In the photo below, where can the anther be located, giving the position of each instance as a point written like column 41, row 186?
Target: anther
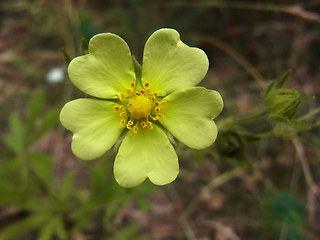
column 122, row 114
column 163, row 103
column 142, row 91
column 129, row 91
column 130, row 122
column 122, row 122
column 122, row 98
column 160, row 116
column 149, row 125
column 155, row 118
column 128, row 126
column 135, row 129
column 116, row 108
column 154, row 95
column 138, row 93
column 157, row 103
column 143, row 124
column 157, row 109
column 146, row 84
column 133, row 84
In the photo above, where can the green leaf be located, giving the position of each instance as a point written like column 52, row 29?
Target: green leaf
column 286, row 208
column 35, row 106
column 67, row 185
column 53, row 227
column 66, row 56
column 42, row 165
column 50, row 120
column 283, row 79
column 21, row 227
column 16, row 138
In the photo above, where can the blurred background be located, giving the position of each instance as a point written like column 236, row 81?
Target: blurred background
column 259, row 181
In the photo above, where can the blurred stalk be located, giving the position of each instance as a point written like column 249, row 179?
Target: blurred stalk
column 294, row 10
column 237, row 57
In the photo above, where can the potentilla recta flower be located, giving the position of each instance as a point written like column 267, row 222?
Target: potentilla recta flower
column 141, row 106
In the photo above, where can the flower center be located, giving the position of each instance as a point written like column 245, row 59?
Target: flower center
column 139, row 107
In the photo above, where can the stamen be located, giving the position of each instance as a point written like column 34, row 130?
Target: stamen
column 116, row 108
column 154, row 95
column 135, row 129
column 129, row 91
column 149, row 125
column 146, row 84
column 138, row 93
column 122, row 114
column 130, row 123
column 128, row 126
column 133, row 84
column 122, row 98
column 122, row 122
column 157, row 109
column 157, row 103
column 143, row 124
column 163, row 103
column 160, row 116
column 142, row 91
column 155, row 118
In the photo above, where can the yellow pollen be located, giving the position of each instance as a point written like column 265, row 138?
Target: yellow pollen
column 129, row 91
column 163, row 103
column 122, row 114
column 139, row 107
column 143, row 124
column 122, row 98
column 157, row 109
column 130, row 123
column 138, row 93
column 149, row 125
column 122, row 122
column 135, row 129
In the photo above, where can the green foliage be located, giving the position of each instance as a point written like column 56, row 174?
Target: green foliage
column 57, row 211
column 285, row 208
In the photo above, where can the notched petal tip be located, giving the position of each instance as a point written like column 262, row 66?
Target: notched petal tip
column 169, row 64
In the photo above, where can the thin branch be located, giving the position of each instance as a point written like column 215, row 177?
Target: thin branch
column 237, row 57
column 182, row 218
column 304, row 163
column 294, row 10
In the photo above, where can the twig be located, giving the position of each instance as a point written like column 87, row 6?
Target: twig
column 304, row 163
column 227, row 231
column 182, row 218
column 294, row 10
column 237, row 57
column 225, row 177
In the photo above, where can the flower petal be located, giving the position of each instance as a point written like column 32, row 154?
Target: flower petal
column 188, row 116
column 107, row 71
column 95, row 125
column 148, row 153
column 169, row 64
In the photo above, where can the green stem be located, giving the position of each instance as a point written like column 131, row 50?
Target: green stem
column 250, row 118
